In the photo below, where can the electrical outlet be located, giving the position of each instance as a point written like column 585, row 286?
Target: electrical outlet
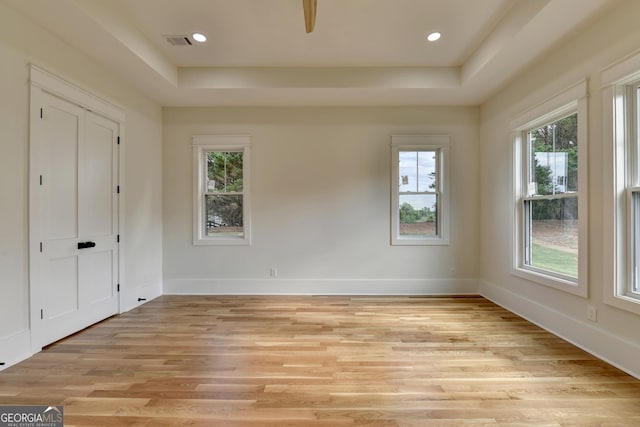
column 273, row 272
column 592, row 313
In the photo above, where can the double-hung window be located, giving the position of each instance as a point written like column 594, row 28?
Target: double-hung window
column 221, row 196
column 632, row 190
column 420, row 196
column 621, row 126
column 550, row 192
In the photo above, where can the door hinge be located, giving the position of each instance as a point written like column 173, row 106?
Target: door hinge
column 41, row 113
column 41, row 314
column 118, row 140
column 40, row 246
column 118, row 189
column 118, row 287
column 118, row 238
column 40, row 179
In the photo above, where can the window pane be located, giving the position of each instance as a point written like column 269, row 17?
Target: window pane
column 426, row 171
column 554, row 157
column 224, row 172
column 408, row 171
column 635, row 241
column 633, row 151
column 418, row 215
column 554, row 235
column 224, row 215
column 417, row 171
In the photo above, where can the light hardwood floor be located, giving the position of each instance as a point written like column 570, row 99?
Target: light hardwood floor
column 322, row 361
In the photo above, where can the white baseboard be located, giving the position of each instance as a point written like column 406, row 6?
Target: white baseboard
column 132, row 298
column 604, row 345
column 320, row 286
column 15, row 348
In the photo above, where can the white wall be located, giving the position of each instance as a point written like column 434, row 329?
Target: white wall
column 615, row 336
column 23, row 43
column 321, row 203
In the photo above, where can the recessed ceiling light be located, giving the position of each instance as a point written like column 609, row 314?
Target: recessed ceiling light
column 434, row 36
column 199, row 37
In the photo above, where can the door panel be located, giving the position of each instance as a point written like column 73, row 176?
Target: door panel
column 62, row 287
column 98, row 177
column 63, row 126
column 96, row 272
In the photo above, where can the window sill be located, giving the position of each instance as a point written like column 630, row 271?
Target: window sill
column 420, row 242
column 624, row 302
column 548, row 280
column 221, row 242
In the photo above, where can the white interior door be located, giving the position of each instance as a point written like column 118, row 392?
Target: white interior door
column 76, row 284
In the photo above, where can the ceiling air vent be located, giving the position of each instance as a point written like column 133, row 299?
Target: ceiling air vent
column 179, row 40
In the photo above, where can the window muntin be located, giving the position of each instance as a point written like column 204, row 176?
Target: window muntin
column 221, row 195
column 419, row 190
column 550, row 202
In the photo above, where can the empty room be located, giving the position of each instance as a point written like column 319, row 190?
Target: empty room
column 320, row 212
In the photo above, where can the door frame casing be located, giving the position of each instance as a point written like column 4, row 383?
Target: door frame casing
column 43, row 81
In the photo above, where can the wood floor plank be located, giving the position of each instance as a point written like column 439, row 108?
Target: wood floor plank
column 322, row 361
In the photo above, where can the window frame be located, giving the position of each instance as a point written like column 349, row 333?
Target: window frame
column 201, row 145
column 621, row 133
column 439, row 144
column 570, row 101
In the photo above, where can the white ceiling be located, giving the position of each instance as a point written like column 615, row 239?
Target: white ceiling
column 362, row 52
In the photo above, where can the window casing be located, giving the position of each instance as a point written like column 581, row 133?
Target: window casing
column 420, row 196
column 221, row 165
column 621, row 127
column 550, row 216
